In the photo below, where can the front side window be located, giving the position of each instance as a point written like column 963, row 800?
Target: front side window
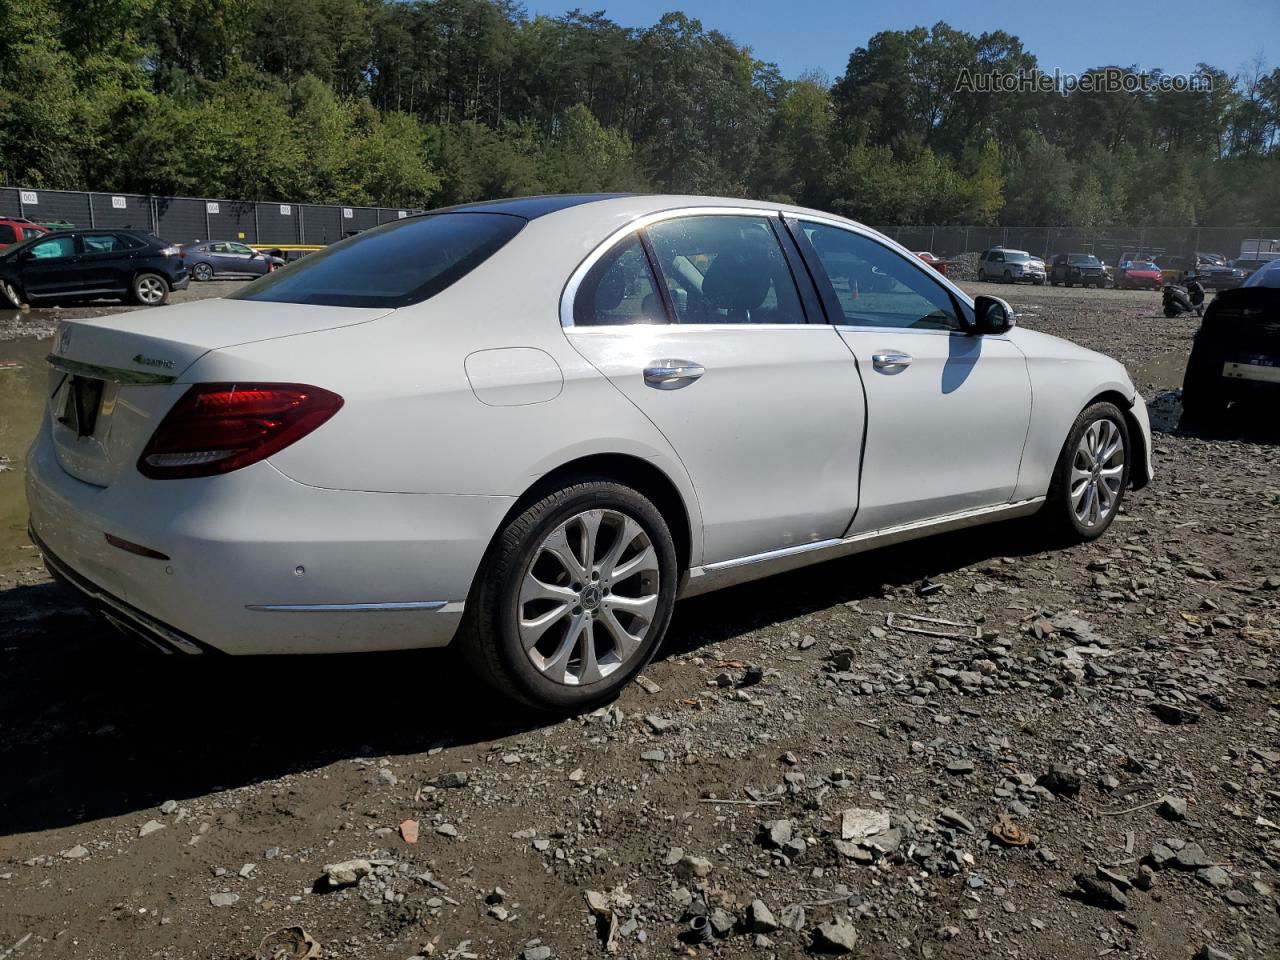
column 725, row 269
column 62, row 246
column 394, row 265
column 8, row 234
column 619, row 289
column 876, row 286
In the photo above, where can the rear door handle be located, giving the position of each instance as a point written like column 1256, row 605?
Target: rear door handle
column 891, row 361
column 672, row 374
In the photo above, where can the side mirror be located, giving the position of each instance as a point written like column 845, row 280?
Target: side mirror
column 993, row 315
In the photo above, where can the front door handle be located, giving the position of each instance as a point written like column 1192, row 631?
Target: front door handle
column 891, row 362
column 672, row 374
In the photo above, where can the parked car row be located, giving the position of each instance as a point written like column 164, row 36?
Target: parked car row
column 1134, row 271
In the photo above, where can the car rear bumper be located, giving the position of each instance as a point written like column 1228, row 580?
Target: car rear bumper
column 256, row 563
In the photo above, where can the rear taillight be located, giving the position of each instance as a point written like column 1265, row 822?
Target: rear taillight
column 219, row 427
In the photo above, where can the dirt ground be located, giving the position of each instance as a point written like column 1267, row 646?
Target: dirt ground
column 1085, row 766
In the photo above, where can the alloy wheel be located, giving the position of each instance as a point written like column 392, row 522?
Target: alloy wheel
column 150, row 290
column 1097, row 471
column 588, row 597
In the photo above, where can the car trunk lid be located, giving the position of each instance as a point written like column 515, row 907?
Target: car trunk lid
column 112, row 379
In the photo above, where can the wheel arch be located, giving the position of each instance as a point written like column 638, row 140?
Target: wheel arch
column 1140, row 473
column 640, row 474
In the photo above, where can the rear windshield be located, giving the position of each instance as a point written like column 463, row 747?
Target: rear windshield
column 393, row 265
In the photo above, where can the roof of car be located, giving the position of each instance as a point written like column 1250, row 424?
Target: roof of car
column 620, row 207
column 530, row 207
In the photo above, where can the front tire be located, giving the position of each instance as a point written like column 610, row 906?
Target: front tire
column 11, row 294
column 573, row 597
column 149, row 289
column 982, row 276
column 1091, row 476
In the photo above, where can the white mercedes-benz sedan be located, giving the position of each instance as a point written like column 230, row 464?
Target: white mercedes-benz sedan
column 529, row 426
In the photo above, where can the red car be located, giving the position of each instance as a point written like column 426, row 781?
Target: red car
column 936, row 262
column 15, row 231
column 1136, row 274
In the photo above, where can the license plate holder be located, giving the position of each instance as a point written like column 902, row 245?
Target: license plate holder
column 84, row 401
column 1265, row 369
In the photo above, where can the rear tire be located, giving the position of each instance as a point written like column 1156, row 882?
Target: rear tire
column 562, row 618
column 1204, row 402
column 149, row 289
column 202, row 272
column 1091, row 475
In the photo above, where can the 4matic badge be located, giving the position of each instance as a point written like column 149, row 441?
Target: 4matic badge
column 153, row 362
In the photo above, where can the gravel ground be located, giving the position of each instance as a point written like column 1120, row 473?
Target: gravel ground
column 1082, row 763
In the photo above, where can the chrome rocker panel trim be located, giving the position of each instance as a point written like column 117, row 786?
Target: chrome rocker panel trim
column 347, row 607
column 727, row 573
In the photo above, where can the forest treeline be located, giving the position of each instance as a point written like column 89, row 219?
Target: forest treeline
column 430, row 102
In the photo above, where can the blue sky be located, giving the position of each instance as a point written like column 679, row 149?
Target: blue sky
column 799, row 35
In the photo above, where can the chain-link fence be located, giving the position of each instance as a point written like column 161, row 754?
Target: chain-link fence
column 188, row 219
column 1107, row 243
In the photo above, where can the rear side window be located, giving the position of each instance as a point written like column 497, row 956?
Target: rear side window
column 619, row 289
column 399, row 263
column 103, row 243
column 725, row 269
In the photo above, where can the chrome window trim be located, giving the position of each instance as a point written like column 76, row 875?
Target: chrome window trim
column 687, row 327
column 570, row 292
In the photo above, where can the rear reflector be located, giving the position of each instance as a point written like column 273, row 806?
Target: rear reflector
column 219, row 427
column 130, row 547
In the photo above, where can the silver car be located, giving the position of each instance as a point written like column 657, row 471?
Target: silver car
column 227, row 258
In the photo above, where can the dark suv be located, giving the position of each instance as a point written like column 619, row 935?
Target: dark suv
column 89, row 264
column 1082, row 268
column 1235, row 356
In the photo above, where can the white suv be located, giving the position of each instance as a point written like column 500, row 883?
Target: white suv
column 529, row 426
column 1010, row 266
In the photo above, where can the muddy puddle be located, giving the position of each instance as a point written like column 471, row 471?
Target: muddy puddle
column 23, row 375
